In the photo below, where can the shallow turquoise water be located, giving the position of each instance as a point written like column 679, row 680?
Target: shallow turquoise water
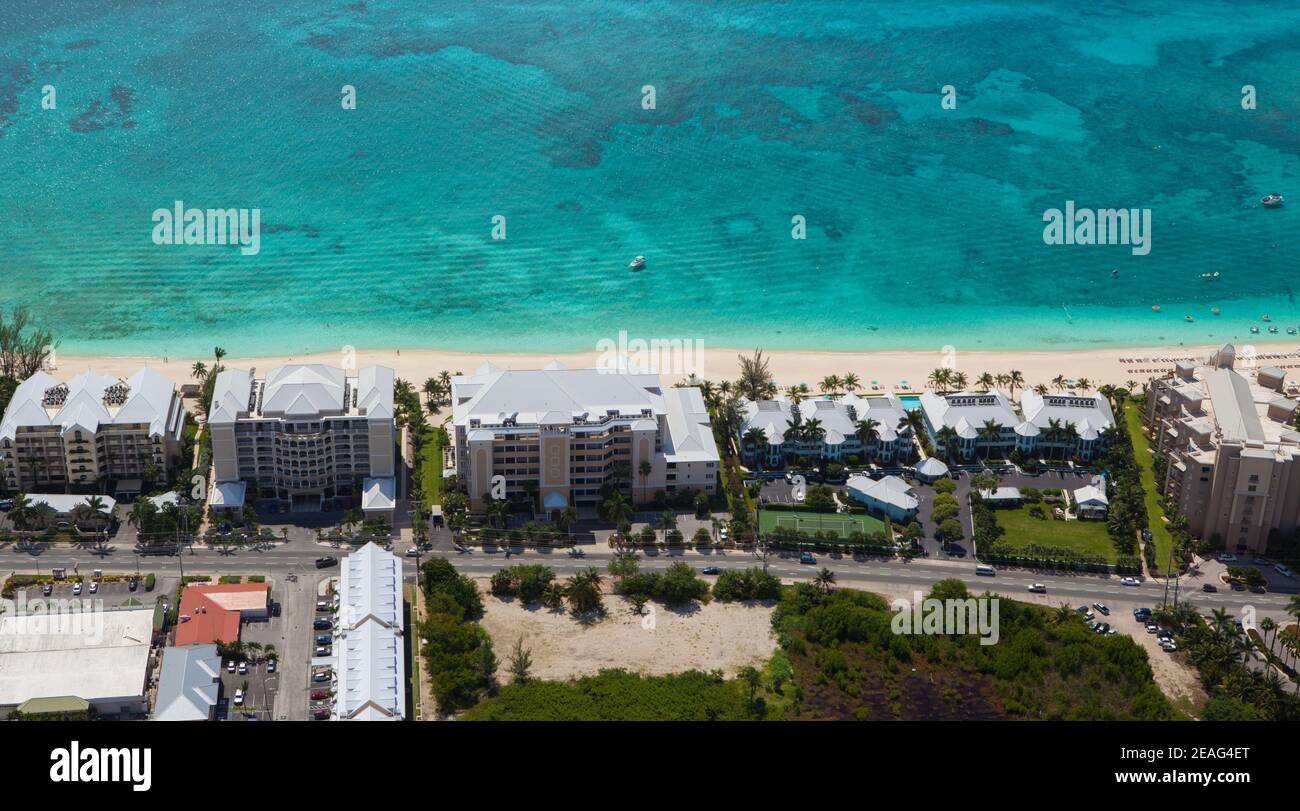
column 924, row 225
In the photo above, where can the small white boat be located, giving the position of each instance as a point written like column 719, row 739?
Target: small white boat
column 1254, row 330
column 1271, row 200
column 637, row 263
column 1272, row 329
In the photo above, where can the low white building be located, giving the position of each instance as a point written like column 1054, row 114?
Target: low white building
column 99, row 655
column 369, row 649
column 189, row 681
column 1001, row 497
column 1091, row 500
column 890, row 496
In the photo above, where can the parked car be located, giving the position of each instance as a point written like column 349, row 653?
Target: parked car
column 321, row 624
column 6, row 504
column 1129, row 581
column 1152, row 628
column 321, row 676
column 94, row 586
column 76, row 587
column 807, row 557
column 47, row 589
column 317, row 695
column 322, row 605
column 243, row 668
column 324, row 639
column 1170, row 646
column 1038, row 588
column 711, row 570
column 320, row 714
column 1102, row 608
column 328, row 560
column 322, row 650
column 239, row 697
column 1225, row 558
column 1282, row 570
column 1210, row 587
column 230, row 666
column 270, row 665
column 132, row 584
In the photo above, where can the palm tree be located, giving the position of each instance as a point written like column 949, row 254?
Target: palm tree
column 92, row 510
column 991, row 432
column 1084, row 384
column 199, row 371
column 851, row 382
column 1040, row 389
column 1053, row 431
column 813, row 432
column 959, row 381
column 754, row 440
column 984, row 381
column 1003, row 379
column 22, row 512
column 867, row 432
column 617, row 508
column 218, row 353
column 1266, row 625
column 1071, row 436
column 830, row 384
column 1059, row 382
column 755, row 376
column 947, row 436
column 1015, row 379
column 939, row 378
column 824, row 580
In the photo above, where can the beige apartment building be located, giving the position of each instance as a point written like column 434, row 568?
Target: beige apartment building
column 1232, row 448
column 303, row 437
column 564, row 433
column 91, row 428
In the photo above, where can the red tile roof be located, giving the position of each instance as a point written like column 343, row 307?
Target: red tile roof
column 208, row 620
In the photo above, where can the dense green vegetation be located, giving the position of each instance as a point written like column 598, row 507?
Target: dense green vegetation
column 1148, row 496
column 616, row 695
column 457, row 650
column 848, row 663
column 746, row 584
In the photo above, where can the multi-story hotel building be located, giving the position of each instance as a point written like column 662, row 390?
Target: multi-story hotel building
column 303, row 436
column 1232, row 448
column 567, row 432
column 91, row 428
column 1072, row 423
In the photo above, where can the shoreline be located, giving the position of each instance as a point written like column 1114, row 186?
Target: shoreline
column 888, row 370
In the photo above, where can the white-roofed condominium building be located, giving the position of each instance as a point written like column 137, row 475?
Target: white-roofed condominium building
column 563, row 434
column 1231, row 451
column 307, row 436
column 844, row 429
column 1054, row 426
column 89, row 430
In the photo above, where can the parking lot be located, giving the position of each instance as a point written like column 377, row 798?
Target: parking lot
column 111, row 593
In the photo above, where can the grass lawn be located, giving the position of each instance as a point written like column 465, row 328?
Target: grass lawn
column 812, row 522
column 1150, row 493
column 431, row 468
column 1085, row 537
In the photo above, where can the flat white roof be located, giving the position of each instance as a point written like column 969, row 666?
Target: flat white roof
column 96, row 655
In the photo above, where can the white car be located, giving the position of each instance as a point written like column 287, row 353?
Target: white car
column 94, row 586
column 1282, row 570
column 1227, row 558
column 243, row 668
column 230, row 666
column 76, row 587
column 1129, row 581
column 1038, row 588
column 239, row 696
column 1169, row 645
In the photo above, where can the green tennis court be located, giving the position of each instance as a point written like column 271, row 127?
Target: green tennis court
column 810, row 523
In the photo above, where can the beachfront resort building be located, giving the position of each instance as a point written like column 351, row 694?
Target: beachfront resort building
column 1231, row 447
column 307, row 437
column 90, row 430
column 1053, row 426
column 868, row 427
column 562, row 434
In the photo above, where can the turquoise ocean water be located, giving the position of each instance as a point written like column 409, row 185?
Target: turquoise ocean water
column 924, row 225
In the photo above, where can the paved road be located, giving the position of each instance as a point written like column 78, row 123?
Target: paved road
column 298, row 558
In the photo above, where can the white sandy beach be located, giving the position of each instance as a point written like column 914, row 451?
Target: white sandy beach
column 897, row 371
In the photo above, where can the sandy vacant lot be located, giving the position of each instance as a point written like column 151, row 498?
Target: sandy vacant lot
column 725, row 636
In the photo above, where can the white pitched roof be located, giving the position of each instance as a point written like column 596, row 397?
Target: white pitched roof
column 370, row 657
column 304, row 389
column 1090, row 412
column 230, row 395
column 65, row 504
column 972, row 407
column 932, row 467
column 769, row 415
column 530, row 396
column 379, row 494
column 188, row 681
column 889, row 490
column 151, row 399
column 1091, row 494
column 690, row 435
